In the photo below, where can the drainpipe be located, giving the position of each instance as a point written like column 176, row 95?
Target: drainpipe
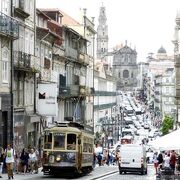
column 11, row 86
column 35, row 82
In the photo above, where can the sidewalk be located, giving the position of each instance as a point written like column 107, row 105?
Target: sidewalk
column 22, row 176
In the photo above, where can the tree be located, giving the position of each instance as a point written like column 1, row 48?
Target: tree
column 167, row 125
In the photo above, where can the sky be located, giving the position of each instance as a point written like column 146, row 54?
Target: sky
column 145, row 24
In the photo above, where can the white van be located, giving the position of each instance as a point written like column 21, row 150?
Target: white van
column 132, row 159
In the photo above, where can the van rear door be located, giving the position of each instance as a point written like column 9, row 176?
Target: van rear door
column 131, row 158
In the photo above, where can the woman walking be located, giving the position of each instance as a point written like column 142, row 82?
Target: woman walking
column 24, row 159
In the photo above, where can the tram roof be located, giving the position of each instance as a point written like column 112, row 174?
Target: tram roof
column 70, row 126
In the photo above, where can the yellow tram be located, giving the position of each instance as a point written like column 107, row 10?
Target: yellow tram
column 68, row 147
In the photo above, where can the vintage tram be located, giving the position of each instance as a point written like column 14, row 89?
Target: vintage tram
column 68, row 148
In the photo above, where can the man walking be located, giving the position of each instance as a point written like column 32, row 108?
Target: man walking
column 10, row 157
column 1, row 160
column 173, row 160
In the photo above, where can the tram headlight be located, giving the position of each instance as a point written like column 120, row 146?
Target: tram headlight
column 51, row 159
column 58, row 158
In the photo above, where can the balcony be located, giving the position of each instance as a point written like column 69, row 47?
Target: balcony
column 22, row 61
column 20, row 10
column 157, row 92
column 83, row 58
column 71, row 53
column 74, row 90
column 82, row 90
column 8, row 26
column 69, row 91
column 157, row 100
column 64, row 92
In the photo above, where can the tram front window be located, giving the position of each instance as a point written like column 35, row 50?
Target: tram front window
column 71, row 141
column 59, row 141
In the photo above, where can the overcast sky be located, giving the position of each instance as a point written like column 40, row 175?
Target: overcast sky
column 145, row 24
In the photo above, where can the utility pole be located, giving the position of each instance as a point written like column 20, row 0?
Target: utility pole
column 122, row 117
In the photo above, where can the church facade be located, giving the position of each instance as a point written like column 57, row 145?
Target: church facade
column 125, row 68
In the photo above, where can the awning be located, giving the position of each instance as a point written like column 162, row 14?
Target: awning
column 167, row 142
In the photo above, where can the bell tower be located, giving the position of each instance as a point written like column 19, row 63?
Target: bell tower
column 102, row 35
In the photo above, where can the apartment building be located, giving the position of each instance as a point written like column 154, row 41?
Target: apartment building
column 9, row 32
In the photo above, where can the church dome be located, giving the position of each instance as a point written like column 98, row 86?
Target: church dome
column 161, row 50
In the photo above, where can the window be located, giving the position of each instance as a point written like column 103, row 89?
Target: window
column 26, row 41
column 5, row 7
column 167, row 80
column 125, row 74
column 21, row 38
column 48, row 141
column 167, row 90
column 132, row 75
column 29, row 92
column 71, row 141
column 59, row 140
column 5, row 66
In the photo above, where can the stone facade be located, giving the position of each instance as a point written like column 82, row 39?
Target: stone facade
column 125, row 68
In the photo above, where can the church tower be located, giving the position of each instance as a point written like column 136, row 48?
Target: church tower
column 102, row 35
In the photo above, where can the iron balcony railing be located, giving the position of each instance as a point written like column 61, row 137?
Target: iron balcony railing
column 9, row 26
column 22, row 60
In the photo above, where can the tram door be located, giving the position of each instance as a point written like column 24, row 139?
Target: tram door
column 79, row 152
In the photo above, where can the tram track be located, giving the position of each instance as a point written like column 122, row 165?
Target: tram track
column 102, row 176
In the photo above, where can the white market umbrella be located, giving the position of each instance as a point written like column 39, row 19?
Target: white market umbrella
column 167, row 142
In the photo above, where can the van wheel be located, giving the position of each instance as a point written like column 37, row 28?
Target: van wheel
column 120, row 172
column 124, row 172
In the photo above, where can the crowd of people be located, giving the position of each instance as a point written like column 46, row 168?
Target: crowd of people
column 106, row 157
column 166, row 160
column 26, row 161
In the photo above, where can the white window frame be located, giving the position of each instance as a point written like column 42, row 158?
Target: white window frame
column 5, row 65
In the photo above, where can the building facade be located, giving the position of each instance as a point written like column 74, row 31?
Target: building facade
column 125, row 68
column 104, row 104
column 9, row 32
column 177, row 67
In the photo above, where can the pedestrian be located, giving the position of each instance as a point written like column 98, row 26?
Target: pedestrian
column 37, row 162
column 160, row 160
column 17, row 162
column 173, row 160
column 24, row 159
column 155, row 161
column 32, row 160
column 99, row 158
column 1, row 160
column 9, row 159
column 167, row 160
column 178, row 163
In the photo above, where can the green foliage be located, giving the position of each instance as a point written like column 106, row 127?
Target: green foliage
column 167, row 125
